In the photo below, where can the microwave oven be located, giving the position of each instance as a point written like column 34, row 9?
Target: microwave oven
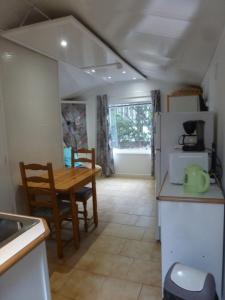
column 179, row 160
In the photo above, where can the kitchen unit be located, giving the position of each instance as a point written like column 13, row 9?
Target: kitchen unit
column 192, row 229
column 23, row 262
column 168, row 128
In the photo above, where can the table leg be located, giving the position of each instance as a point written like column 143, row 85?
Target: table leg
column 75, row 221
column 94, row 197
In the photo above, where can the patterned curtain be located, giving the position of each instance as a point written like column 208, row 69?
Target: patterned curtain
column 156, row 107
column 104, row 150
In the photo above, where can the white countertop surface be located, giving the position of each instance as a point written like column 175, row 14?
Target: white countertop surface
column 14, row 247
column 175, row 192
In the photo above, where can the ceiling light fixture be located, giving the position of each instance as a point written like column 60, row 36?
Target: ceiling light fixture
column 116, row 65
column 7, row 55
column 93, row 71
column 124, row 72
column 134, row 78
column 63, row 43
column 109, row 77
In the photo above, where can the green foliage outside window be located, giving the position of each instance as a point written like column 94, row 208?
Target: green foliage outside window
column 131, row 126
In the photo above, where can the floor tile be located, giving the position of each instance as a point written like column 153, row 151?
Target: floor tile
column 105, row 264
column 149, row 235
column 60, row 297
column 144, row 221
column 146, row 272
column 124, row 219
column 82, row 286
column 120, row 266
column 108, row 244
column 150, row 293
column 93, row 262
column 57, row 280
column 115, row 289
column 156, row 252
column 142, row 210
column 124, row 231
column 137, row 249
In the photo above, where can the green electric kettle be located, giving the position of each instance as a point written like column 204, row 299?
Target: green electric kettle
column 196, row 180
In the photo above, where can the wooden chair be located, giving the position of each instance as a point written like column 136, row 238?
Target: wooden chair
column 85, row 193
column 50, row 208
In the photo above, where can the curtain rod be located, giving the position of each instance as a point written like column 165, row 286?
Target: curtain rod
column 133, row 97
column 73, row 102
column 129, row 104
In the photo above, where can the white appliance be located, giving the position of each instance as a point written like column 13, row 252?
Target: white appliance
column 179, row 160
column 168, row 128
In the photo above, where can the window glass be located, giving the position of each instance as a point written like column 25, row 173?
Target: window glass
column 131, row 126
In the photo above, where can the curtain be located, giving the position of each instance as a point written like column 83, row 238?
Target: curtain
column 104, row 149
column 156, row 107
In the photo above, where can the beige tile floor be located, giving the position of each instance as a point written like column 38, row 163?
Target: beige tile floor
column 118, row 260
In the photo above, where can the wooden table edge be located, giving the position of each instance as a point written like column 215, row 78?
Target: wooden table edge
column 28, row 248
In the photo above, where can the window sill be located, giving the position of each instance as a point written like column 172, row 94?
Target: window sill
column 131, row 152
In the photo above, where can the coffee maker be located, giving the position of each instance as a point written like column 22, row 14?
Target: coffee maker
column 193, row 140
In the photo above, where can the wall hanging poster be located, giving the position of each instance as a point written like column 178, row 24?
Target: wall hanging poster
column 74, row 125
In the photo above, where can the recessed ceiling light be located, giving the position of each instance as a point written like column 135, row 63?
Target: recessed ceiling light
column 109, row 77
column 134, row 78
column 7, row 55
column 63, row 43
column 124, row 72
column 93, row 70
column 88, row 72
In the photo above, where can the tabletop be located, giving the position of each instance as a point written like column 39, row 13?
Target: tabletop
column 67, row 178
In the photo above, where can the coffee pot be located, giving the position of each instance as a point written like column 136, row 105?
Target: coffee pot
column 191, row 141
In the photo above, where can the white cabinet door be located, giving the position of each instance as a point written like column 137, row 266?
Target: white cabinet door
column 184, row 104
column 192, row 234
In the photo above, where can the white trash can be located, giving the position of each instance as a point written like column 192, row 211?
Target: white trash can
column 185, row 283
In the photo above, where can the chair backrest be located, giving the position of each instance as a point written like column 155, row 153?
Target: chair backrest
column 89, row 158
column 38, row 184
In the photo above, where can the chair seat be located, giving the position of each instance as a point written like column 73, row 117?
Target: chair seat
column 45, row 212
column 83, row 193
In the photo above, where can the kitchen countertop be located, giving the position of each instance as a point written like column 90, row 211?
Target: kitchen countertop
column 14, row 250
column 175, row 193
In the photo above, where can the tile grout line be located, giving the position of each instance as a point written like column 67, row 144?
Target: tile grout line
column 140, row 291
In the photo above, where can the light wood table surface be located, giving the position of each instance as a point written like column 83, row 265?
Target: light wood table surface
column 68, row 181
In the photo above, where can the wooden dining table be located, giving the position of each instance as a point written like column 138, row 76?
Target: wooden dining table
column 68, row 181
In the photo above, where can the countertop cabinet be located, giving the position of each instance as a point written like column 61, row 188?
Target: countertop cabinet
column 23, row 260
column 28, row 279
column 192, row 232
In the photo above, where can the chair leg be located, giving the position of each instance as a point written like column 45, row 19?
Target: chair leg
column 94, row 199
column 85, row 216
column 58, row 239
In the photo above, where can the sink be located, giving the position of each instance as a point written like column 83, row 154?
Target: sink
column 13, row 226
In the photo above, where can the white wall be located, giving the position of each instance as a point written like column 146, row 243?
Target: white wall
column 6, row 189
column 214, row 88
column 32, row 108
column 124, row 92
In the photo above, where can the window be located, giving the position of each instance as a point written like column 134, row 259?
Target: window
column 131, row 127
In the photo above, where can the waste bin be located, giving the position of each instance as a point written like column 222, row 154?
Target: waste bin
column 185, row 283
